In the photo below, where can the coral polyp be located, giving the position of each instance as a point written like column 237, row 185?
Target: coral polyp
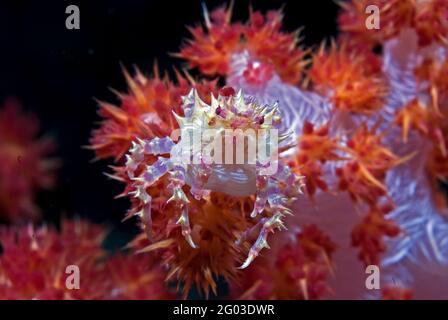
column 349, row 77
column 25, row 163
column 302, row 268
column 213, row 49
column 35, row 260
column 427, row 17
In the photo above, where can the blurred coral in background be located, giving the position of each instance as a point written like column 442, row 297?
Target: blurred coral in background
column 299, row 271
column 34, row 262
column 34, row 259
column 25, row 163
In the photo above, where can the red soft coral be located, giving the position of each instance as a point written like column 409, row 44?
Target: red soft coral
column 369, row 235
column 394, row 15
column 363, row 176
column 34, row 261
column 297, row 270
column 427, row 18
column 216, row 224
column 135, row 277
column 347, row 76
column 25, row 166
column 315, row 148
column 396, row 293
column 211, row 50
column 34, row 264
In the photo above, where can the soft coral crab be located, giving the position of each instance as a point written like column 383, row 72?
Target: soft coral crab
column 190, row 163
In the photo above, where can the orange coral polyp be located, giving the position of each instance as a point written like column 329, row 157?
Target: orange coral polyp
column 211, row 49
column 317, row 145
column 412, row 116
column 363, row 176
column 211, row 55
column 431, row 22
column 268, row 43
column 25, row 165
column 438, row 163
column 428, row 18
column 426, row 121
column 437, row 169
column 363, row 179
column 360, row 184
column 345, row 77
column 367, row 148
column 315, row 149
column 369, row 235
column 432, row 77
column 394, row 15
column 301, row 270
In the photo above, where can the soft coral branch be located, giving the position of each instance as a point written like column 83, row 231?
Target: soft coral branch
column 25, row 165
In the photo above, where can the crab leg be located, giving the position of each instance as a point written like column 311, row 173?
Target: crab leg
column 268, row 225
column 145, row 213
column 151, row 175
column 262, row 196
column 294, row 182
column 276, row 201
column 179, row 197
column 138, row 150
